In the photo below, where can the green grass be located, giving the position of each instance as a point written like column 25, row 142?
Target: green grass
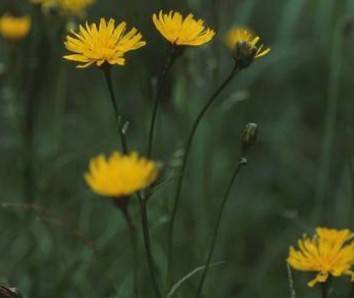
column 79, row 247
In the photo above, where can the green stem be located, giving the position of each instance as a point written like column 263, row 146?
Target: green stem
column 132, row 231
column 216, row 14
column 242, row 162
column 330, row 121
column 324, row 289
column 351, row 177
column 108, row 77
column 134, row 244
column 37, row 73
column 169, row 63
column 147, row 243
column 184, row 164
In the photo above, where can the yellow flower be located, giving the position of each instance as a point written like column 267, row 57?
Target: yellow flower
column 75, row 7
column 120, row 175
column 238, row 35
column 47, row 4
column 69, row 7
column 106, row 44
column 329, row 252
column 14, row 28
column 243, row 43
column 182, row 32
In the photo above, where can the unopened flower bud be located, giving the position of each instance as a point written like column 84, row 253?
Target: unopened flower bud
column 249, row 136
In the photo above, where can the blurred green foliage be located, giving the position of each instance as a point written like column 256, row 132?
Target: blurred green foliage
column 71, row 243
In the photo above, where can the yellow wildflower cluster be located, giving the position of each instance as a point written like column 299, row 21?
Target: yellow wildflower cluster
column 329, row 252
column 14, row 28
column 108, row 43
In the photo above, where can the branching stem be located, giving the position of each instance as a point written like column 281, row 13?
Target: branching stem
column 188, row 146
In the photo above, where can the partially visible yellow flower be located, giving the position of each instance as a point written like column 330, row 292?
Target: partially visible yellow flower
column 120, row 175
column 243, row 43
column 69, row 7
column 75, row 7
column 182, row 32
column 328, row 252
column 106, row 43
column 14, row 28
column 43, row 2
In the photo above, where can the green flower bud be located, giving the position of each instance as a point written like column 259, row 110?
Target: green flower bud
column 249, row 136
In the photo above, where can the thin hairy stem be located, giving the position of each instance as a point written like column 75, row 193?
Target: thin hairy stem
column 189, row 142
column 158, row 96
column 242, row 162
column 108, row 78
column 147, row 243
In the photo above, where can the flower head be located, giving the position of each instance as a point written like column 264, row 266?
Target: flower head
column 328, row 252
column 243, row 43
column 14, row 28
column 68, row 7
column 120, row 175
column 249, row 136
column 101, row 44
column 182, row 32
column 74, row 7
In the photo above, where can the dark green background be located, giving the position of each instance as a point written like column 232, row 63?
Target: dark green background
column 284, row 192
